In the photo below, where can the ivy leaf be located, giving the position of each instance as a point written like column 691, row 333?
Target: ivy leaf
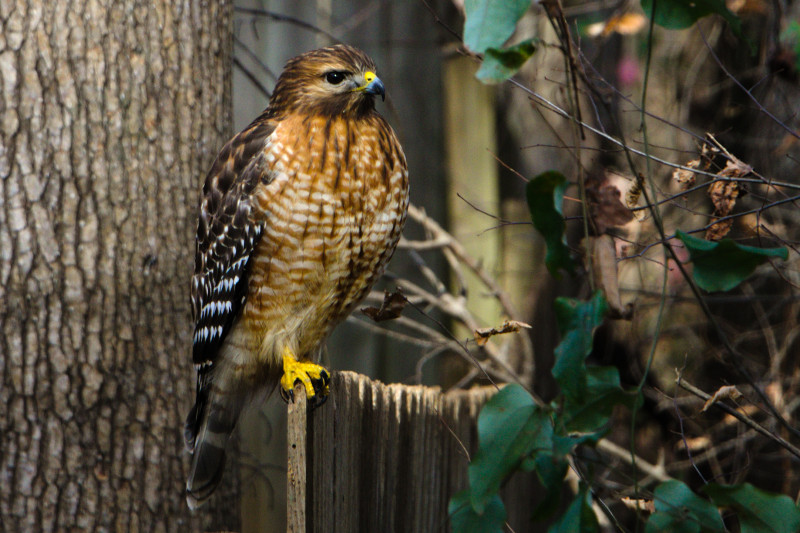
column 577, row 321
column 510, row 427
column 590, row 394
column 563, row 445
column 758, row 510
column 603, row 392
column 551, row 471
column 667, row 523
column 490, row 23
column 680, row 509
column 545, row 194
column 464, row 519
column 502, row 63
column 721, row 266
column 680, row 14
column 579, row 516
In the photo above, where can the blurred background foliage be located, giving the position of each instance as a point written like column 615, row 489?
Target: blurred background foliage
column 688, row 125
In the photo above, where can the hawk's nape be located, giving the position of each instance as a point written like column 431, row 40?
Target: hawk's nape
column 300, row 213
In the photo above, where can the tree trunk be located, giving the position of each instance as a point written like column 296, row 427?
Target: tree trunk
column 110, row 114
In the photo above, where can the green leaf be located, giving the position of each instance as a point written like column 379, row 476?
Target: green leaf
column 577, row 321
column 562, row 445
column 545, row 194
column 721, row 266
column 581, row 317
column 464, row 519
column 579, row 517
column 679, row 509
column 510, row 427
column 489, row 23
column 500, row 64
column 667, row 523
column 551, row 471
column 758, row 510
column 680, row 14
column 603, row 392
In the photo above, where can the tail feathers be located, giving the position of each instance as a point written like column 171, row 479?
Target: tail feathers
column 208, row 447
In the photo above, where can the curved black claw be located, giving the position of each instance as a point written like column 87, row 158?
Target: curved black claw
column 287, row 395
column 321, row 390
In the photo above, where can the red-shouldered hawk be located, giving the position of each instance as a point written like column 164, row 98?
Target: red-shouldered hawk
column 301, row 212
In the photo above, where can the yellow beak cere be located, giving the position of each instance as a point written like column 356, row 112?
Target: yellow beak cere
column 373, row 85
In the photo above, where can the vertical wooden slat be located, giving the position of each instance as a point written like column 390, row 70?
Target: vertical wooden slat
column 385, row 457
column 296, row 452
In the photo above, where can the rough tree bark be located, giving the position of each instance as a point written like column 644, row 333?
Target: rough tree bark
column 110, row 114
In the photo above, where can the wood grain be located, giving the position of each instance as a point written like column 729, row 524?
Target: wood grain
column 296, row 473
column 381, row 457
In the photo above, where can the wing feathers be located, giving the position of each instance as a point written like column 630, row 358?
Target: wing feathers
column 227, row 234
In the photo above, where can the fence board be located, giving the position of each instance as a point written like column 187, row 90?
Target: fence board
column 381, row 457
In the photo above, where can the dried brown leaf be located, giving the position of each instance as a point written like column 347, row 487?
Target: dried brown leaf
column 735, row 168
column 723, row 196
column 391, row 308
column 634, row 193
column 686, row 178
column 719, row 230
column 602, row 252
column 605, row 208
column 728, row 392
column 482, row 335
column 639, row 504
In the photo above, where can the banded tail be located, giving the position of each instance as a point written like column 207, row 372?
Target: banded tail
column 208, row 427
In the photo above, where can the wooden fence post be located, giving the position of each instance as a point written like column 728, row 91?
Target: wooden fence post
column 379, row 457
column 296, row 472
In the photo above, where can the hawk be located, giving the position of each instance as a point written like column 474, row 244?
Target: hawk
column 300, row 213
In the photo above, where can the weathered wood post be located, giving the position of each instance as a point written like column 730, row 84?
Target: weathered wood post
column 296, row 467
column 379, row 457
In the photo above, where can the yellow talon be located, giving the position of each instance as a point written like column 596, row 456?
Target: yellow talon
column 313, row 377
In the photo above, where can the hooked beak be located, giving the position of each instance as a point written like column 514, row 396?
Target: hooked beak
column 373, row 85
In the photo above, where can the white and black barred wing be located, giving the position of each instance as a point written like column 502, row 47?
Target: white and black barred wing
column 227, row 234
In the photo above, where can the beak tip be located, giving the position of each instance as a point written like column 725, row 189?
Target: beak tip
column 376, row 87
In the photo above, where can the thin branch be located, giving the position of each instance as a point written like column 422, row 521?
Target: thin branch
column 564, row 114
column 250, row 76
column 254, row 57
column 285, row 18
column 740, row 416
column 746, row 90
column 438, row 232
column 655, row 471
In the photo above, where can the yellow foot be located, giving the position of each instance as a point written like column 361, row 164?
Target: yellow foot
column 313, row 377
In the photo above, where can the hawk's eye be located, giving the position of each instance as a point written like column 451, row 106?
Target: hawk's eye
column 334, row 78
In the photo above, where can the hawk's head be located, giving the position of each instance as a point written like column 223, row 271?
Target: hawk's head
column 330, row 81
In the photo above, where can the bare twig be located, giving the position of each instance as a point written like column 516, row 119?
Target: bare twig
column 740, row 416
column 655, row 471
column 285, row 18
column 559, row 111
column 749, row 94
column 252, row 77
